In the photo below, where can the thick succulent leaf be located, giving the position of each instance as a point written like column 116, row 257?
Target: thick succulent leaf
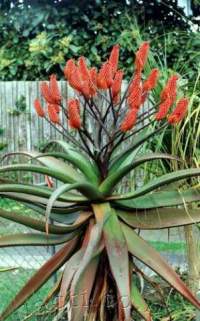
column 40, row 277
column 71, row 267
column 52, row 163
column 90, row 252
column 45, row 192
column 109, row 183
column 84, row 277
column 160, row 199
column 40, row 226
column 138, row 301
column 70, row 218
column 141, row 138
column 98, row 294
column 76, row 155
column 61, row 215
column 116, row 248
column 160, row 181
column 30, row 239
column 145, row 253
column 84, row 166
column 61, row 210
column 128, row 159
column 160, row 218
column 80, row 300
column 62, row 176
column 86, row 188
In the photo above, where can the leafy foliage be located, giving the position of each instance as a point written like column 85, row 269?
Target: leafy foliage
column 38, row 38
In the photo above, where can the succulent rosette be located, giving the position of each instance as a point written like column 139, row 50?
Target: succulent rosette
column 104, row 130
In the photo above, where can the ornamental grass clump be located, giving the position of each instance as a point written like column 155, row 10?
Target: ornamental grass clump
column 95, row 223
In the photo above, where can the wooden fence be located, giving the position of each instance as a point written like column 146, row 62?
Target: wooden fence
column 24, row 130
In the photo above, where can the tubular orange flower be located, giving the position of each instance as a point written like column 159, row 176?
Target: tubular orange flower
column 101, row 81
column 93, row 81
column 134, row 99
column 129, row 120
column 135, row 82
column 83, row 69
column 179, row 112
column 151, row 81
column 74, row 113
column 75, row 79
column 104, row 78
column 54, row 89
column 69, row 68
column 56, row 107
column 38, row 108
column 85, row 89
column 114, row 58
column 163, row 109
column 170, row 89
column 116, row 86
column 141, row 56
column 53, row 115
column 45, row 91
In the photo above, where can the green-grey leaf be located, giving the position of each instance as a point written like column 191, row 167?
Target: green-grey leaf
column 160, row 181
column 109, row 183
column 30, row 239
column 145, row 253
column 160, row 218
column 160, row 199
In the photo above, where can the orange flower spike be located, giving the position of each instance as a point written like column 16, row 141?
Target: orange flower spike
column 56, row 107
column 116, row 86
column 134, row 99
column 170, row 88
column 83, row 69
column 101, row 80
column 74, row 113
column 163, row 109
column 53, row 115
column 135, row 82
column 179, row 112
column 104, row 78
column 38, row 108
column 129, row 120
column 114, row 58
column 45, row 91
column 151, row 81
column 85, row 89
column 108, row 74
column 75, row 80
column 54, row 89
column 69, row 68
column 141, row 56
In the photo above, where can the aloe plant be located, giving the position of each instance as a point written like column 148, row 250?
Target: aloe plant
column 95, row 221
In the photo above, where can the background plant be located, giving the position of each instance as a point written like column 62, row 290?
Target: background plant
column 38, row 38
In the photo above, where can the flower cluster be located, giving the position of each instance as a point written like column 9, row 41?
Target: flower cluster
column 89, row 84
